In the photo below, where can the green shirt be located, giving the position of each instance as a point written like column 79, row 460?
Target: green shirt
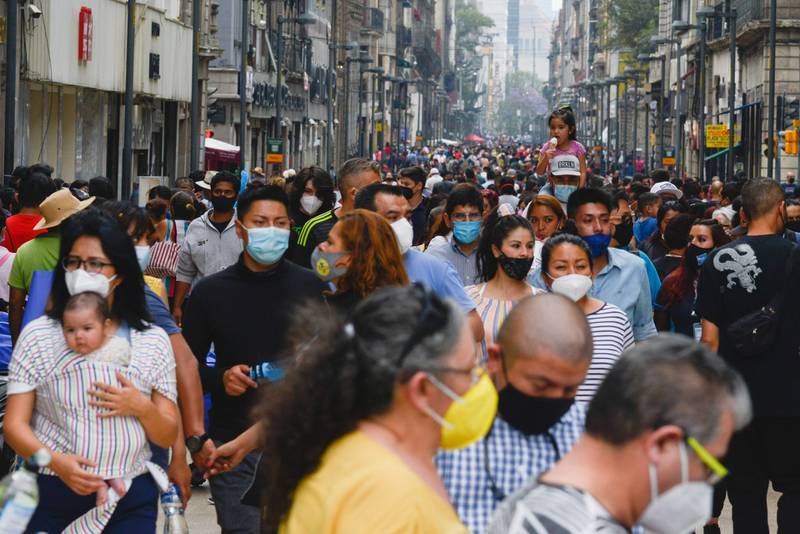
column 39, row 254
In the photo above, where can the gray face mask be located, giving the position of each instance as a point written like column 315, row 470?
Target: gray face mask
column 324, row 264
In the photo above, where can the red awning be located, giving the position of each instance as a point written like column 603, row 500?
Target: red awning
column 472, row 138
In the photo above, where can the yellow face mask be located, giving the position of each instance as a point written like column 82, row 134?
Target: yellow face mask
column 470, row 416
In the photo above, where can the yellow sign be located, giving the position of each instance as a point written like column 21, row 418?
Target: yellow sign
column 653, row 139
column 274, row 158
column 717, row 136
column 668, row 161
column 796, row 123
column 379, row 126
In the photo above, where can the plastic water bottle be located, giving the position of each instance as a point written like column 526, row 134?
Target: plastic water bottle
column 19, row 494
column 174, row 519
column 266, row 372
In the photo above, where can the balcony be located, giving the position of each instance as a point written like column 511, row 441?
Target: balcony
column 757, row 11
column 373, row 21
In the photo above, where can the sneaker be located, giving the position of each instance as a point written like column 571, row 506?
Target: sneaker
column 211, row 501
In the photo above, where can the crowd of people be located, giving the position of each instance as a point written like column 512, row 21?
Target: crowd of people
column 488, row 339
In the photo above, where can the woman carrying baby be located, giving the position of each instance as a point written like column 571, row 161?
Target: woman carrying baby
column 94, row 414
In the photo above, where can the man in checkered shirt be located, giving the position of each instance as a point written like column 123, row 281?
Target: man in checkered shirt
column 540, row 358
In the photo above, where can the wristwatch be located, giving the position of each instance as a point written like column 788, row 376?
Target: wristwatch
column 195, row 443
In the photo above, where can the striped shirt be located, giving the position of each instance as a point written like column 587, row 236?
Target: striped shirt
column 541, row 508
column 611, row 336
column 62, row 418
column 492, row 312
column 480, row 476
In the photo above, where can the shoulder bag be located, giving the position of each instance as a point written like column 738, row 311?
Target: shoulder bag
column 755, row 333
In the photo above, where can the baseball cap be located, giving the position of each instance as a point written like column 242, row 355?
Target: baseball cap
column 666, row 187
column 565, row 164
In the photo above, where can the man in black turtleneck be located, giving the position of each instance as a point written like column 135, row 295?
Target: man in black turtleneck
column 245, row 311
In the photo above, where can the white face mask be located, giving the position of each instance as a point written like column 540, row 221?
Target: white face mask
column 142, row 256
column 310, row 204
column 405, row 234
column 80, row 281
column 572, row 286
column 683, row 508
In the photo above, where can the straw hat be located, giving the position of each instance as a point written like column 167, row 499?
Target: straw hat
column 205, row 183
column 58, row 207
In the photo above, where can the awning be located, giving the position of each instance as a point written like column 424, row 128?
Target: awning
column 472, row 138
column 449, row 142
column 221, row 146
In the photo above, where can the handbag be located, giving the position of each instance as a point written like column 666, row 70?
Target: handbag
column 164, row 257
column 756, row 332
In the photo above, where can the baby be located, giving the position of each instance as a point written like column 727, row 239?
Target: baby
column 88, row 331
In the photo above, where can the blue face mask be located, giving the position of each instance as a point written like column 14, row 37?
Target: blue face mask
column 267, row 245
column 701, row 259
column 466, row 232
column 562, row 192
column 598, row 244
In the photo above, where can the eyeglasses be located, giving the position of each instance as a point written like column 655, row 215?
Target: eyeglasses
column 475, row 372
column 464, row 217
column 72, row 263
column 227, row 193
column 717, row 471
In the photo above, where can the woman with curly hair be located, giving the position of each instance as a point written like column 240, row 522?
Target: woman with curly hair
column 349, row 434
column 360, row 255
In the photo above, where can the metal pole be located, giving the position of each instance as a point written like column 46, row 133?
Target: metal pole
column 360, row 115
column 347, row 107
column 333, row 37
column 608, row 128
column 781, row 100
column 773, row 14
column 127, row 142
column 635, row 120
column 617, row 146
column 330, row 125
column 648, row 160
column 625, row 125
column 12, row 10
column 701, row 133
column 382, row 105
column 662, row 112
column 194, row 156
column 731, row 90
column 279, row 81
column 243, row 89
column 677, row 117
column 372, row 113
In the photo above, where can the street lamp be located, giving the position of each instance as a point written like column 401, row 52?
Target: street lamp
column 656, row 40
column 706, row 12
column 332, row 48
column 304, row 20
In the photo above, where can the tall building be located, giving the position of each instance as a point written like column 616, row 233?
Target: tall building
column 532, row 48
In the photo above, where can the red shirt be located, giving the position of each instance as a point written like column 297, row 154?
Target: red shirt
column 19, row 230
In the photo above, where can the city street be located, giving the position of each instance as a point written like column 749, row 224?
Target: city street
column 202, row 520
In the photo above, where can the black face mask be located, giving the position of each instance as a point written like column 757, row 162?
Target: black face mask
column 793, row 225
column 222, row 204
column 623, row 233
column 516, row 268
column 531, row 415
column 696, row 255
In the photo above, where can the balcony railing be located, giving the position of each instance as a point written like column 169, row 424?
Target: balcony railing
column 758, row 10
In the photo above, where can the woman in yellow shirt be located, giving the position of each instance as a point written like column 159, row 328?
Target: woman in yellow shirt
column 354, row 426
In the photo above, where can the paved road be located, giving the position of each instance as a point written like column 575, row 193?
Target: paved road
column 203, row 520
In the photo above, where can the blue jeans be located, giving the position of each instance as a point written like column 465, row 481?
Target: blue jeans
column 59, row 506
